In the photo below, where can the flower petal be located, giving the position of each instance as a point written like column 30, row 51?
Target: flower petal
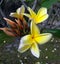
column 43, row 38
column 13, row 14
column 41, row 15
column 11, row 23
column 35, row 50
column 32, row 13
column 41, row 19
column 26, row 40
column 24, row 48
column 34, row 29
column 20, row 10
column 19, row 24
column 9, row 31
column 27, row 15
column 25, row 43
column 42, row 11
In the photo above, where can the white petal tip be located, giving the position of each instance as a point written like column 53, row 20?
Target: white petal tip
column 11, row 14
column 20, row 51
column 50, row 35
column 37, row 56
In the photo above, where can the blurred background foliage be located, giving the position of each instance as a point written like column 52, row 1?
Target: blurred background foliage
column 44, row 3
column 50, row 52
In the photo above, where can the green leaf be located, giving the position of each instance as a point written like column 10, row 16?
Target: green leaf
column 5, row 38
column 48, row 3
column 55, row 32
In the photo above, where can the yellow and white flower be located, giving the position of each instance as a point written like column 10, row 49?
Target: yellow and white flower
column 32, row 40
column 39, row 17
column 18, row 13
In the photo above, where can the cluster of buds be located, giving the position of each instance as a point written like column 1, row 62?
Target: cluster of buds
column 17, row 27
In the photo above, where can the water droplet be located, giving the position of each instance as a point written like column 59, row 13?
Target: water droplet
column 4, row 41
column 56, row 41
column 25, row 57
column 46, row 49
column 53, row 63
column 18, row 55
column 37, row 63
column 55, row 49
column 46, row 63
column 21, row 61
column 52, row 39
column 52, row 50
column 57, row 46
column 46, row 57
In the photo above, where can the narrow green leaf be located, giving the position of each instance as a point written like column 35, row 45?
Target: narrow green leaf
column 48, row 3
column 55, row 32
